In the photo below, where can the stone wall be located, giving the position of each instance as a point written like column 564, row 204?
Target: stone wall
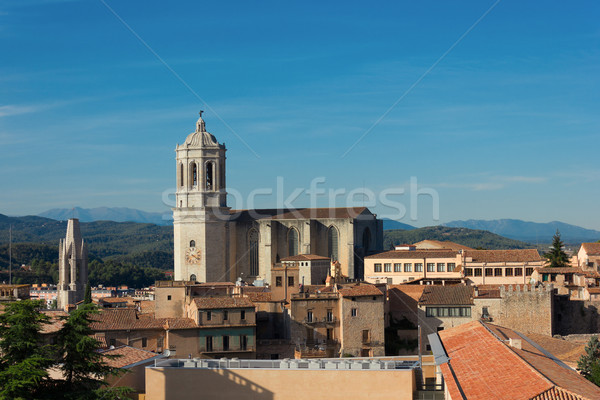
column 523, row 308
column 369, row 317
column 576, row 316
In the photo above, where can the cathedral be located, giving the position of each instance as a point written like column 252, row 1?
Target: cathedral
column 214, row 243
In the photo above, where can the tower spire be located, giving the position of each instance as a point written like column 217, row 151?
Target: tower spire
column 200, row 126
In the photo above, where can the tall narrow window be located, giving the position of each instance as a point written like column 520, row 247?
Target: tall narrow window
column 243, row 342
column 192, row 243
column 209, row 343
column 293, row 242
column 225, row 343
column 193, row 277
column 366, row 240
column 253, row 251
column 180, row 174
column 332, row 243
column 194, row 174
column 210, row 176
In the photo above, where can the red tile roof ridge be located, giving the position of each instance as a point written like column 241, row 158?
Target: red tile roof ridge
column 591, row 248
column 415, row 254
column 582, row 380
column 305, row 257
column 558, row 393
column 477, row 332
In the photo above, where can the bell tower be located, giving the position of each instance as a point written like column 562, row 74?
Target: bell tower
column 201, row 215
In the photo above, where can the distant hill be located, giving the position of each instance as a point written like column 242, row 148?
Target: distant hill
column 149, row 244
column 117, row 214
column 532, row 232
column 464, row 236
column 391, row 224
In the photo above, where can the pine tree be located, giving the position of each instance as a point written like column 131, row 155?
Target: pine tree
column 87, row 299
column 556, row 256
column 23, row 360
column 84, row 369
column 589, row 363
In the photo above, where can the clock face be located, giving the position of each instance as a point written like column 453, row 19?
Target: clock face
column 192, row 255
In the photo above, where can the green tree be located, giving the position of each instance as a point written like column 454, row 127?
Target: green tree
column 589, row 363
column 23, row 361
column 83, row 368
column 87, row 299
column 556, row 256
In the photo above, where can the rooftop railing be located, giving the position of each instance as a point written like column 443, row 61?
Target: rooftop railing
column 294, row 364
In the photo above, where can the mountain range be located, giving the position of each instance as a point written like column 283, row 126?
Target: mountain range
column 532, row 232
column 117, row 214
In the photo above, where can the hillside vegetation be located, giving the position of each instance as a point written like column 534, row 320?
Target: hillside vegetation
column 467, row 237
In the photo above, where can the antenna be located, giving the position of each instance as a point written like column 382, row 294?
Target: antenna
column 10, row 255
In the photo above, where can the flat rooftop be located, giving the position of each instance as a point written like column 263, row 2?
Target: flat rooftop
column 300, row 364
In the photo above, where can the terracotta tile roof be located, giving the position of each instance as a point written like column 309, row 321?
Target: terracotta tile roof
column 215, row 284
column 57, row 320
column 360, row 290
column 591, row 274
column 441, row 244
column 593, row 290
column 591, row 248
column 259, row 296
column 102, row 340
column 205, row 303
column 564, row 350
column 117, row 319
column 317, row 288
column 484, row 366
column 447, row 295
column 415, row 254
column 147, row 306
column 305, row 257
column 524, row 255
column 412, row 291
column 126, row 355
column 113, row 300
column 564, row 378
column 177, row 323
column 560, row 270
column 301, row 213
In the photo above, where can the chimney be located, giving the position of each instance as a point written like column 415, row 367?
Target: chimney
column 515, row 343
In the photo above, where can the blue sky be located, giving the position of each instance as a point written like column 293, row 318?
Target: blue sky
column 505, row 125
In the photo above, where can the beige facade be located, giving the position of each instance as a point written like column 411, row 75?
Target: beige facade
column 213, row 243
column 292, row 272
column 588, row 256
column 500, row 267
column 273, row 382
column 401, row 266
column 478, row 267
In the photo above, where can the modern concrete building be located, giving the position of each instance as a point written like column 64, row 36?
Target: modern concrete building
column 214, row 243
column 334, row 379
column 72, row 266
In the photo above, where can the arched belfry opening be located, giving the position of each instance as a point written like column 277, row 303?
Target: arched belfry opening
column 194, row 174
column 210, row 176
column 293, row 242
column 180, row 173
